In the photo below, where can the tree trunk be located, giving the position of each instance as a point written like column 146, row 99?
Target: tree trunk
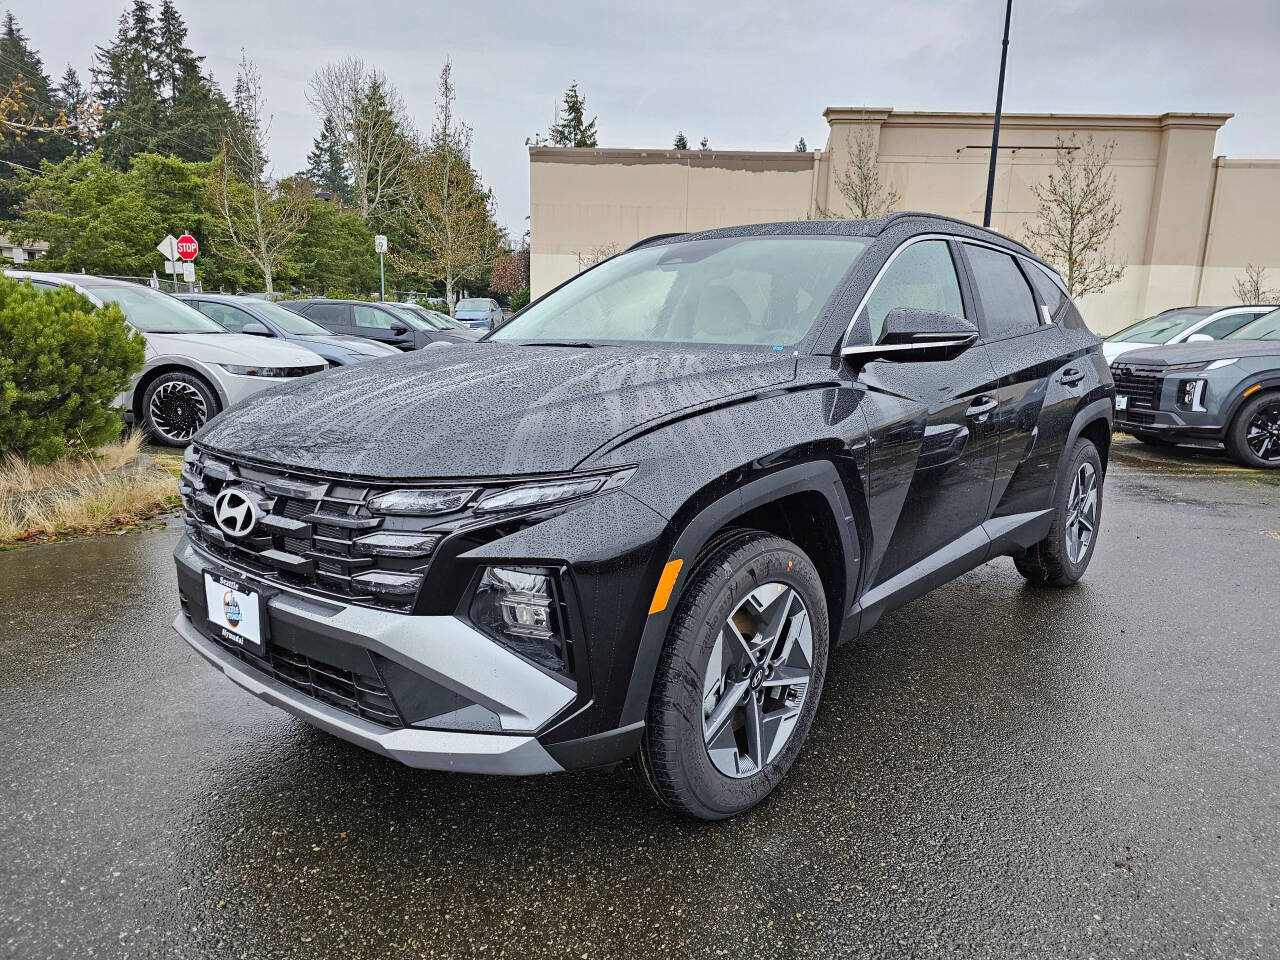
column 448, row 292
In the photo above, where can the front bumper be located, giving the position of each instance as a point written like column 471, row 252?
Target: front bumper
column 465, row 703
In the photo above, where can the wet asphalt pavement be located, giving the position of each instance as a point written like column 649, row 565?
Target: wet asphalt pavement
column 994, row 772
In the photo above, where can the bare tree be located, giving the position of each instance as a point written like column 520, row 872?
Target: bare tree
column 1252, row 287
column 595, row 255
column 1077, row 215
column 374, row 131
column 859, row 182
column 262, row 216
column 447, row 215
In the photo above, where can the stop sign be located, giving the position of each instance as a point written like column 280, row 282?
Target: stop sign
column 187, row 247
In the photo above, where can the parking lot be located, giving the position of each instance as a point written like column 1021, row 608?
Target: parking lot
column 995, row 772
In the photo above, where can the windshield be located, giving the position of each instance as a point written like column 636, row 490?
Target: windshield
column 402, row 312
column 153, row 312
column 290, row 322
column 1161, row 328
column 1266, row 327
column 425, row 315
column 753, row 291
column 474, row 304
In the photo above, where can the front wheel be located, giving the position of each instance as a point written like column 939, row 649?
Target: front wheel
column 1062, row 557
column 175, row 406
column 1253, row 439
column 739, row 678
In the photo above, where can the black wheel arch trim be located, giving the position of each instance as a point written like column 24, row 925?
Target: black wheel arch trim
column 816, row 476
column 1267, row 381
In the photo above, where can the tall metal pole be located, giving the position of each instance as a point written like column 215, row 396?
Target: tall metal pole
column 995, row 130
column 382, row 279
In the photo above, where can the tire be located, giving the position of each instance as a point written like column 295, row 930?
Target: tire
column 771, row 692
column 176, row 405
column 1061, row 558
column 1253, row 439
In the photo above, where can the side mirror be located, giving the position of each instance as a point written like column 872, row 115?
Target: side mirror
column 913, row 334
column 256, row 329
column 1199, row 338
column 399, row 329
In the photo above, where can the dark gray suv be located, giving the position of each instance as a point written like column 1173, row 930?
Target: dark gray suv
column 1222, row 392
column 384, row 322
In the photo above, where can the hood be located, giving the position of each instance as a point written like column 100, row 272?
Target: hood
column 345, row 344
column 482, row 409
column 1203, row 350
column 1112, row 348
column 471, row 315
column 241, row 348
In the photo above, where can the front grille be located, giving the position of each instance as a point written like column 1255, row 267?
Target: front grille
column 307, row 530
column 359, row 694
column 1140, row 384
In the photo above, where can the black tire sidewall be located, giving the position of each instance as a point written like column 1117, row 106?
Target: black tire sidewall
column 1237, row 445
column 720, row 583
column 194, row 380
column 1083, row 452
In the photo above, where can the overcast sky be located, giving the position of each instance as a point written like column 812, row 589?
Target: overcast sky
column 745, row 74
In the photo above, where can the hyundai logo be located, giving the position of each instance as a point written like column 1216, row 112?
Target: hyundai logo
column 235, row 513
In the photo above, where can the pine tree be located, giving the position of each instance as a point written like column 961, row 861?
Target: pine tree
column 572, row 130
column 76, row 102
column 325, row 167
column 682, row 142
column 153, row 92
column 801, row 146
column 704, row 145
column 18, row 62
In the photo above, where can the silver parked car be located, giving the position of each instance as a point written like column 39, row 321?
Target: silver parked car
column 194, row 369
column 478, row 313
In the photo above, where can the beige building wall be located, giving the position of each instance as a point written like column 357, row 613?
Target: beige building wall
column 1189, row 222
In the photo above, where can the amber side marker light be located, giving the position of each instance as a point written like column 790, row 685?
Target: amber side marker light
column 1254, row 389
column 666, row 583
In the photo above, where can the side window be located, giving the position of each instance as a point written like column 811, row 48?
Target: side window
column 233, row 318
column 1227, row 325
column 921, row 276
column 372, row 317
column 326, row 314
column 1051, row 294
column 1006, row 299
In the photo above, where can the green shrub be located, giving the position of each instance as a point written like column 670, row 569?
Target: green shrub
column 518, row 298
column 62, row 363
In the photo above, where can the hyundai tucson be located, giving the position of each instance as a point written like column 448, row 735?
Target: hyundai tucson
column 630, row 525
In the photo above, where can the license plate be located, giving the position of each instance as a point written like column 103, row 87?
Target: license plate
column 235, row 612
column 1122, row 402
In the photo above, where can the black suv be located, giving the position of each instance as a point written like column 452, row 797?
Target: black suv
column 629, row 525
column 384, row 322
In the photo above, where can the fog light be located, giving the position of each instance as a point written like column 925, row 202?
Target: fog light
column 517, row 607
column 1192, row 394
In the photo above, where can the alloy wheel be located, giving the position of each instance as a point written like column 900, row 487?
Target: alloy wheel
column 1082, row 512
column 756, row 680
column 1263, row 433
column 177, row 410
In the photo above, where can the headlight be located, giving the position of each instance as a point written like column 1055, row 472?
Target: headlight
column 237, row 370
column 518, row 607
column 554, row 491
column 1219, row 364
column 420, row 502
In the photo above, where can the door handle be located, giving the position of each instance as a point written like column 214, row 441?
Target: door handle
column 981, row 408
column 1070, row 377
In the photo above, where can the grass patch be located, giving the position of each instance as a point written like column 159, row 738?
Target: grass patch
column 94, row 494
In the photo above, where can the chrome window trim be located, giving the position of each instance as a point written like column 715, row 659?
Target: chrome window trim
column 845, row 349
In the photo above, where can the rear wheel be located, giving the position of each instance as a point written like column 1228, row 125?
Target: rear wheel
column 739, row 678
column 175, row 406
column 1062, row 557
column 1253, row 440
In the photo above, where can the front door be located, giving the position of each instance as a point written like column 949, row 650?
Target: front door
column 934, row 444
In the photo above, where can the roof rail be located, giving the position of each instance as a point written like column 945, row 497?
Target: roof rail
column 897, row 215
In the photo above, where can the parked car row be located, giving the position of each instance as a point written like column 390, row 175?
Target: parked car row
column 1206, row 390
column 206, row 352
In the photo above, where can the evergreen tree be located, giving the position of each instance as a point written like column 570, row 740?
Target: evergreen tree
column 572, row 130
column 682, row 142
column 325, row 167
column 704, row 145
column 153, row 92
column 76, row 102
column 19, row 62
column 801, row 146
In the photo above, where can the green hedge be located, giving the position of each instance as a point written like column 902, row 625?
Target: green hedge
column 518, row 298
column 62, row 363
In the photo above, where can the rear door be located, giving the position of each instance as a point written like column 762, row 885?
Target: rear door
column 1038, row 389
column 334, row 317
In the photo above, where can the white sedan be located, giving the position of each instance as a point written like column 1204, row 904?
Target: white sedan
column 1181, row 325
